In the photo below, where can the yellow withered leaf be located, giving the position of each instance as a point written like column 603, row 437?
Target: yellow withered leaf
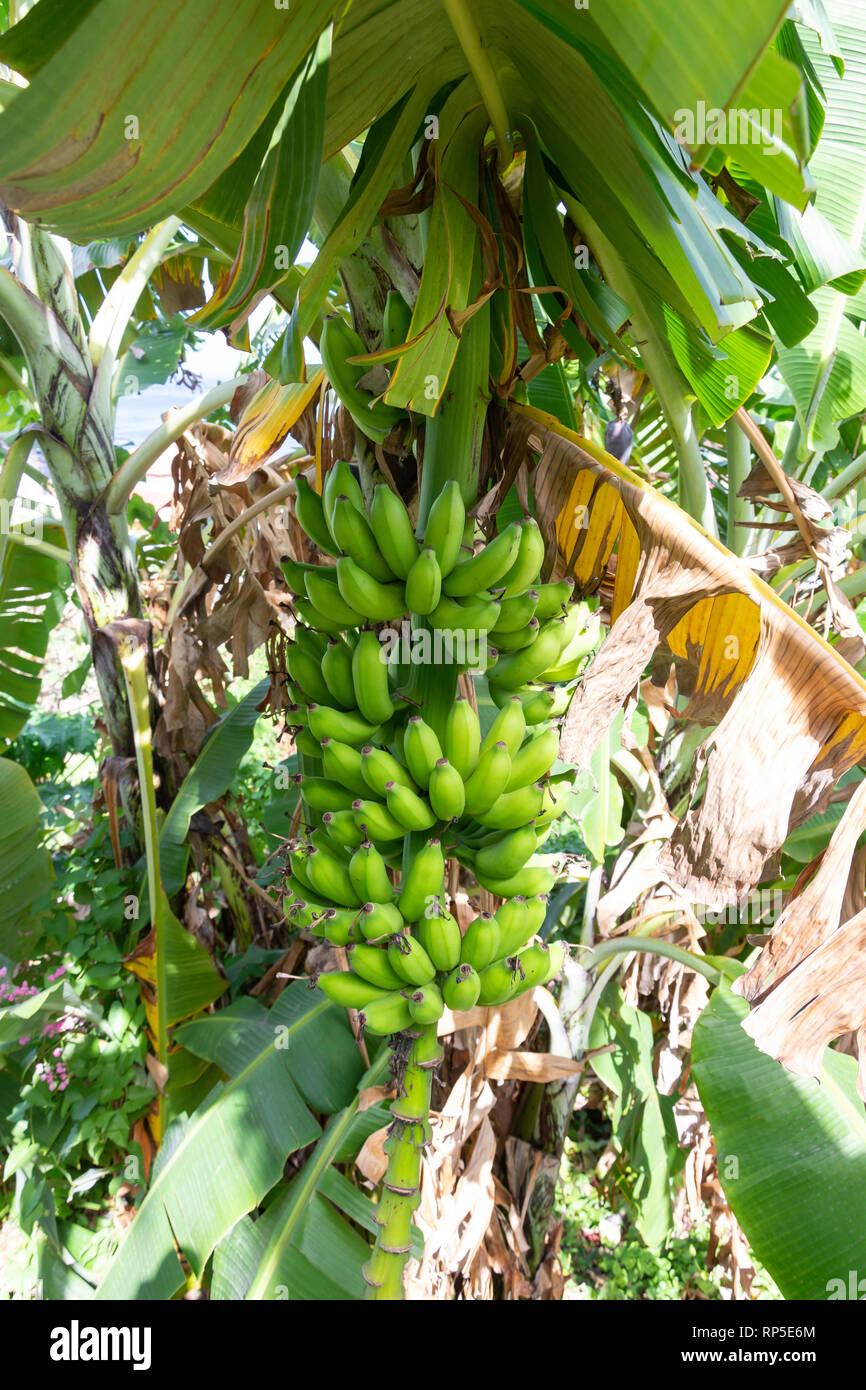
column 791, row 712
column 266, row 423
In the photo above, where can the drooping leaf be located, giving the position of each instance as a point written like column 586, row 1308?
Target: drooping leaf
column 33, row 590
column 791, row 1152
column 219, row 1164
column 137, row 156
column 25, row 866
column 280, row 205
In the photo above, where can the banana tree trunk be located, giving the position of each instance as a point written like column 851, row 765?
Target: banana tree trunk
column 71, row 380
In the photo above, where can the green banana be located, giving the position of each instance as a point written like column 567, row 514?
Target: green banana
column 444, row 531
column 314, row 644
column 379, row 921
column 321, row 794
column 518, row 920
column 306, row 744
column 364, row 594
column 336, row 925
column 355, row 538
column 509, row 727
column 385, row 1016
column 446, row 791
column 539, row 963
column 337, row 673
column 370, row 679
column 408, row 807
column 378, row 767
column 489, row 779
column 572, row 657
column 297, row 857
column 342, row 763
column 475, row 614
column 371, row 963
column 325, row 596
column 508, row 853
column 409, row 959
column 346, row 726
column 426, row 1004
column 396, row 318
column 337, row 342
column 421, row 749
column 331, row 878
column 439, row 934
column 556, row 959
column 393, row 530
column 369, row 875
column 480, row 944
column 423, row 883
column 552, row 598
column 424, row 583
column 540, row 704
column 311, row 516
column 500, row 981
column 515, row 613
column 460, row 991
column 534, row 759
column 320, row 839
column 529, row 881
column 484, row 569
column 340, row 481
column 528, row 560
column 342, row 828
column 295, row 572
column 527, row 665
column 306, row 672
column 516, row 641
column 377, row 822
column 314, row 617
column 462, row 737
column 343, row 987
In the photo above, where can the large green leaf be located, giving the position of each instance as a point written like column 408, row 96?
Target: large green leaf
column 25, row 866
column 32, row 598
column 211, row 774
column 114, row 68
column 792, row 1154
column 218, row 1164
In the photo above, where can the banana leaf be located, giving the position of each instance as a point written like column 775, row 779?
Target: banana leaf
column 791, row 1154
column 218, row 1164
column 25, row 866
column 33, row 590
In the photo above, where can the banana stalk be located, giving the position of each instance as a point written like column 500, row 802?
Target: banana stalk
column 401, row 1189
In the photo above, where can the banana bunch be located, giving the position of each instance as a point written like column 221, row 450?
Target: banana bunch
column 375, row 771
column 405, row 977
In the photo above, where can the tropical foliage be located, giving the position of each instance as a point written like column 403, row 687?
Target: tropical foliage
column 580, row 287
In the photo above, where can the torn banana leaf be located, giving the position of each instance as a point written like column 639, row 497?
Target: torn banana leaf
column 791, row 712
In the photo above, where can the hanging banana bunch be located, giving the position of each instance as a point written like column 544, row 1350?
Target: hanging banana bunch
column 386, row 789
